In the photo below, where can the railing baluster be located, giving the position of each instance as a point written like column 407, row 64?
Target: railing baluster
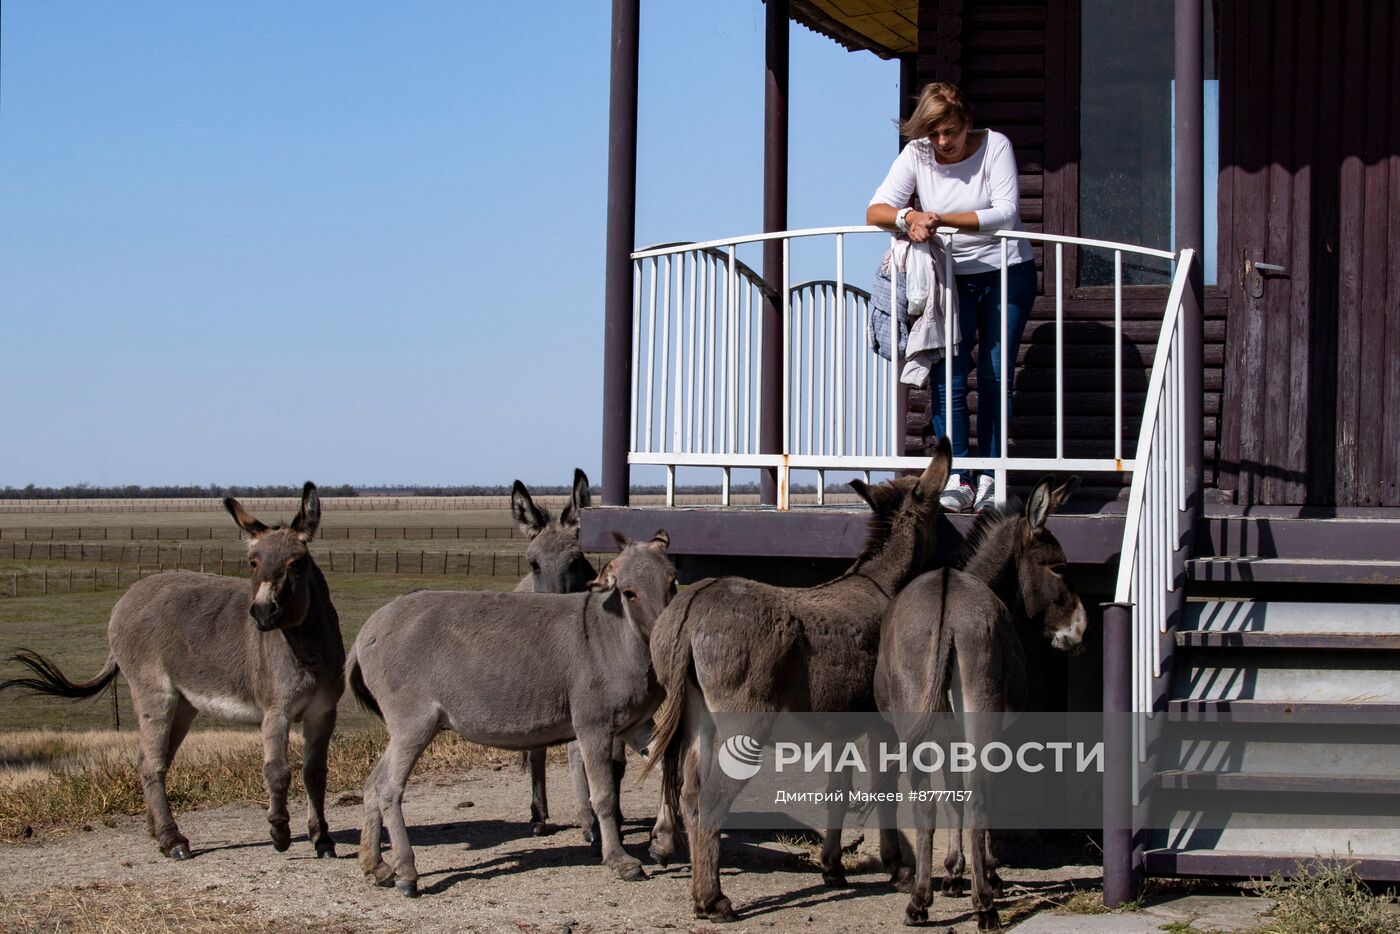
column 636, row 343
column 841, row 344
column 691, row 353
column 651, row 350
column 707, row 434
column 665, row 353
column 1118, row 355
column 677, row 431
column 1059, row 350
column 726, row 393
column 788, row 446
column 1008, row 369
column 949, row 283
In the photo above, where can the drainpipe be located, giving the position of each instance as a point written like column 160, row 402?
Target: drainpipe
column 621, row 235
column 1190, row 232
column 775, row 204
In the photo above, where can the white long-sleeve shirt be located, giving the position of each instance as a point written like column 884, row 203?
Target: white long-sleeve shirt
column 985, row 182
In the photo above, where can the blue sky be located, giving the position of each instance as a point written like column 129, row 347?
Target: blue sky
column 363, row 242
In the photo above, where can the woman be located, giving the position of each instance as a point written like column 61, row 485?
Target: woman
column 966, row 179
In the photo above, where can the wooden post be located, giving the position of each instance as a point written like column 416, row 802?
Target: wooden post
column 620, row 239
column 775, row 203
column 116, row 707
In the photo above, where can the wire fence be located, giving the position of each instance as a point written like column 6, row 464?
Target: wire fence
column 421, row 562
column 230, row 532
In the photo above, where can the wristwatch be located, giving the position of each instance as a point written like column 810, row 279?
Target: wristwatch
column 901, row 220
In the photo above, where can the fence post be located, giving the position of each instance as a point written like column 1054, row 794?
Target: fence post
column 116, row 707
column 46, row 582
column 396, row 561
column 493, row 564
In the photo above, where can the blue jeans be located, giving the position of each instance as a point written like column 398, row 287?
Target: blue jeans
column 979, row 317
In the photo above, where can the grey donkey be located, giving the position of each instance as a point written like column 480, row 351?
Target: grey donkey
column 514, row 671
column 961, row 632
column 731, row 645
column 557, row 565
column 266, row 651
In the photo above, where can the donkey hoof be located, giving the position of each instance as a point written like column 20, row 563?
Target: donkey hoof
column 630, row 871
column 915, row 915
column 381, row 875
column 281, row 837
column 722, row 912
column 408, row 888
column 659, row 855
column 834, row 878
column 903, row 880
column 988, row 920
column 325, row 849
column 180, row 851
column 539, row 828
column 952, row 888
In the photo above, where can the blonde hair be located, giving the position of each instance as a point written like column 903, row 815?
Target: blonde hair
column 939, row 103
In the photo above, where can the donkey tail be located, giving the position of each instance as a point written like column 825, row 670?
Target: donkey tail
column 356, row 680
column 49, row 681
column 937, row 698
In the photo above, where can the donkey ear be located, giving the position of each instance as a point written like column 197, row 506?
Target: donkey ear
column 660, row 541
column 528, row 516
column 1041, row 503
column 580, row 500
column 243, row 517
column 621, row 540
column 308, row 518
column 935, row 475
column 863, row 491
column 606, row 580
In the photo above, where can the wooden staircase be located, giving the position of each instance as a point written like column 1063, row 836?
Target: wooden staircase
column 1282, row 741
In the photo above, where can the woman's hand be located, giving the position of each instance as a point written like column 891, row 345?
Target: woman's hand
column 922, row 224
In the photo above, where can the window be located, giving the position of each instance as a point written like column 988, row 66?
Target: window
column 1126, row 136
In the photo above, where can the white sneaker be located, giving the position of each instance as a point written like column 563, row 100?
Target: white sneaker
column 957, row 495
column 986, row 493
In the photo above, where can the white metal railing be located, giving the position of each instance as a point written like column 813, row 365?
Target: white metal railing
column 697, row 357
column 1152, row 563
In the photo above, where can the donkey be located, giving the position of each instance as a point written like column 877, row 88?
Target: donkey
column 733, row 645
column 268, row 651
column 959, row 630
column 557, row 565
column 514, row 671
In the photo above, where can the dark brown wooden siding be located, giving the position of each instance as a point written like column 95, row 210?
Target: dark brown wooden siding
column 1310, row 167
column 1018, row 61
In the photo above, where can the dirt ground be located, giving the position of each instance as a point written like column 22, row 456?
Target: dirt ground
column 482, row 871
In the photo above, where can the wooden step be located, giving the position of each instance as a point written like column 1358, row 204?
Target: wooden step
column 1250, row 865
column 1253, row 711
column 1321, row 641
column 1290, row 616
column 1293, row 570
column 1278, row 782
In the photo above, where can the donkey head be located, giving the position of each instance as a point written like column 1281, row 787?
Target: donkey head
column 282, row 566
column 904, row 509
column 1040, row 569
column 644, row 578
column 557, row 563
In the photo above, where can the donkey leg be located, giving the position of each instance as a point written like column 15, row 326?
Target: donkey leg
column 277, row 775
column 925, row 820
column 587, row 820
column 619, row 756
column 596, row 751
column 405, row 746
column 954, row 865
column 708, row 901
column 316, row 733
column 717, row 795
column 157, row 712
column 887, row 816
column 833, row 873
column 377, row 872
column 539, row 798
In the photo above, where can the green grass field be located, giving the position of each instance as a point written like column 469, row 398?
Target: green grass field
column 71, row 627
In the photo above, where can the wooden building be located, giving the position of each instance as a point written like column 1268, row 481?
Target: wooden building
column 1263, row 136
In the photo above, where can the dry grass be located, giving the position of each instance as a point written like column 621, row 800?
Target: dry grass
column 90, row 776
column 127, row 908
column 1326, row 896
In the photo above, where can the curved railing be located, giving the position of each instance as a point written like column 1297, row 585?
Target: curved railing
column 1156, row 534
column 697, row 361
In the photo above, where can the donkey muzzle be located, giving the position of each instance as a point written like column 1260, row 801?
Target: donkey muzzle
column 266, row 615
